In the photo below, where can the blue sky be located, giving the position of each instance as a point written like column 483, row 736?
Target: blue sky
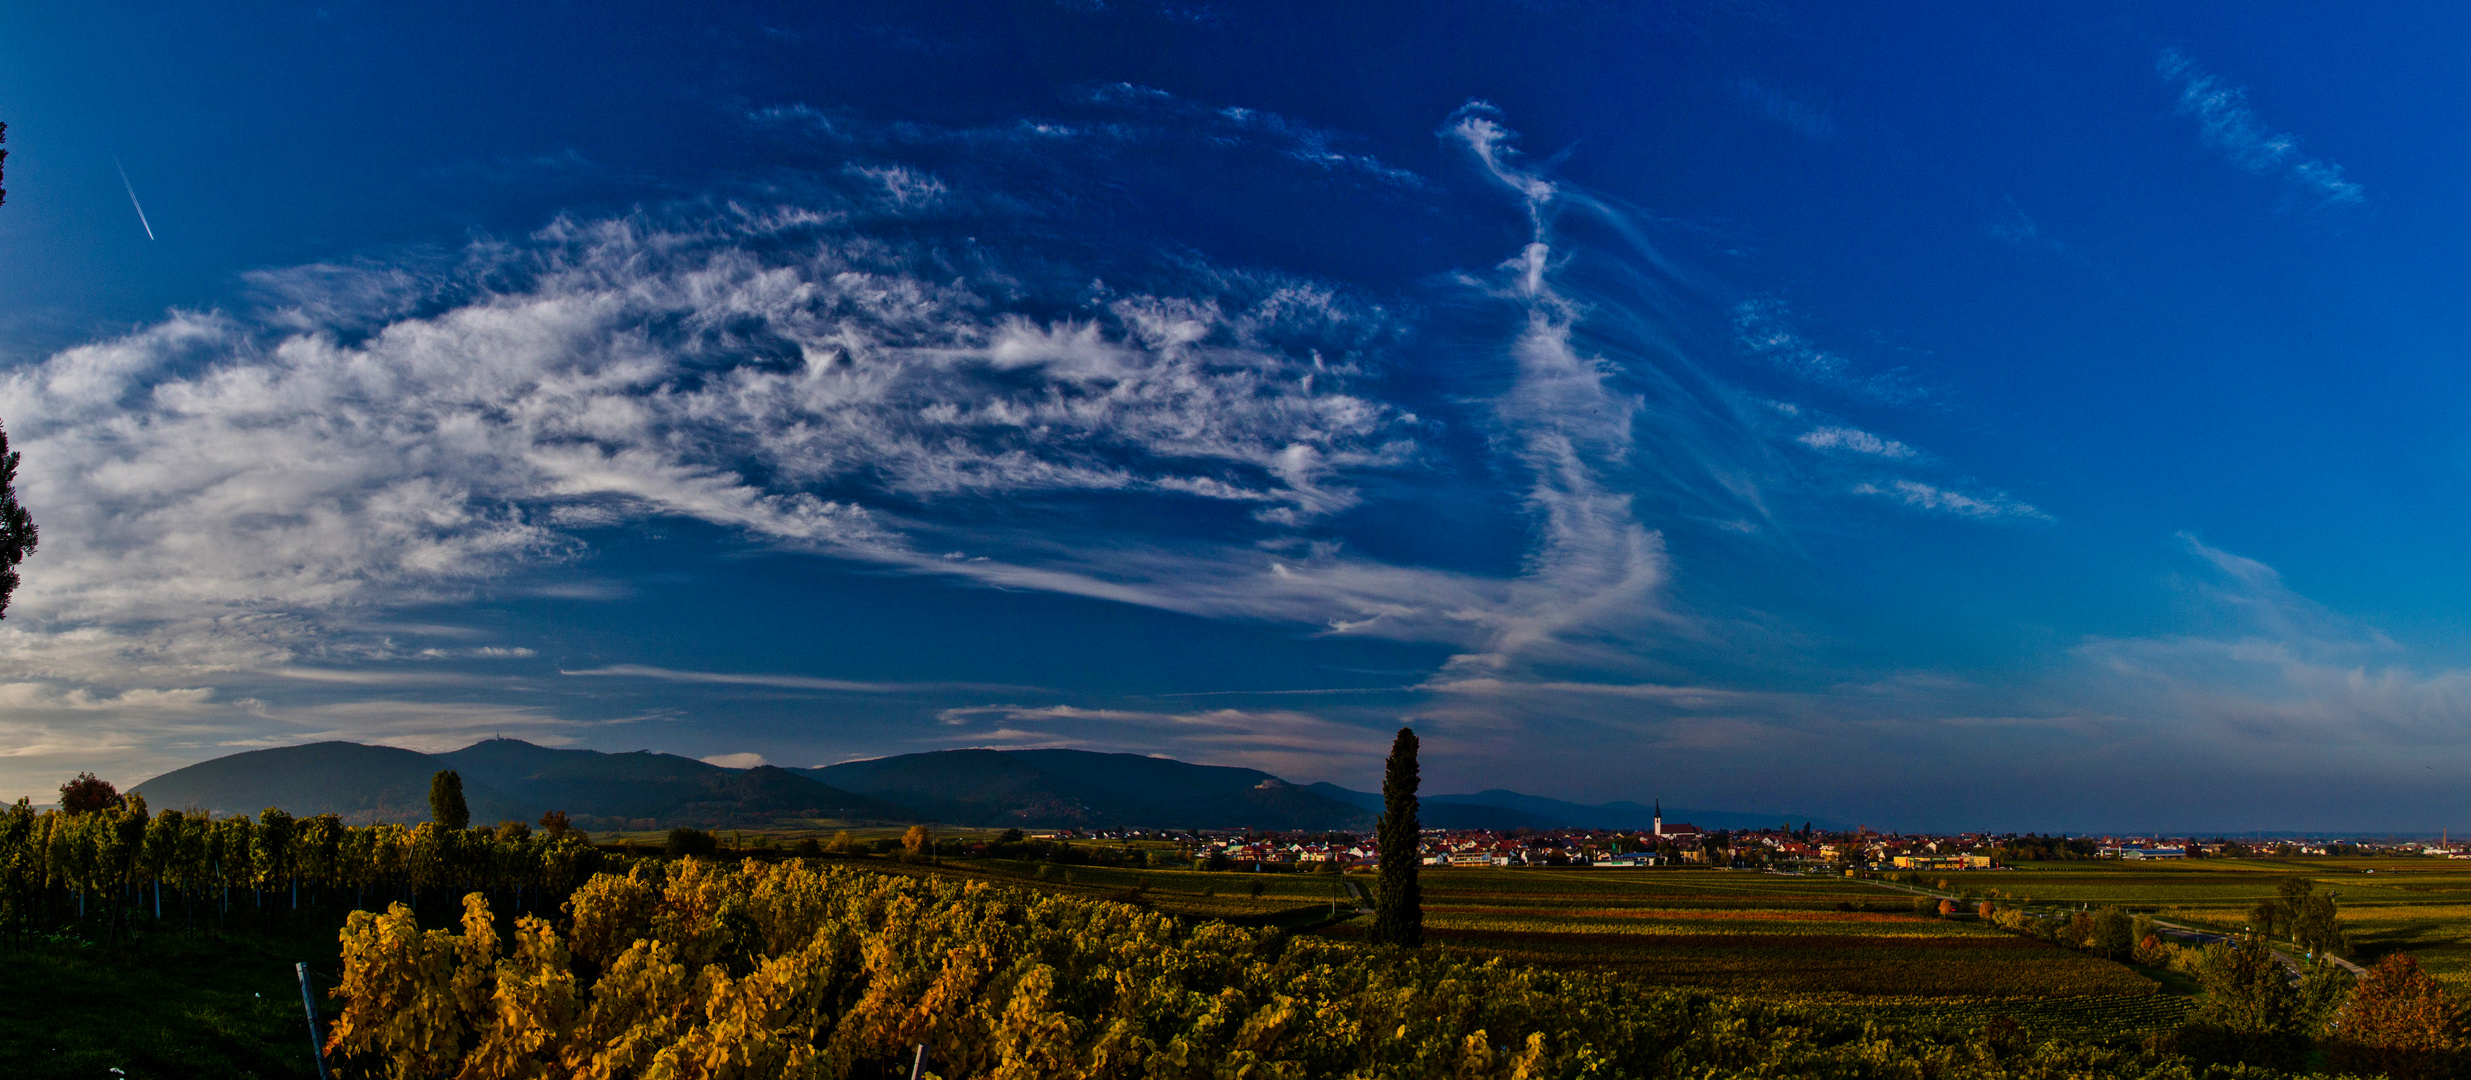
column 1946, row 417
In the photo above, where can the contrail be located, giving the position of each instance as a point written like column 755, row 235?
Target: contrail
column 141, row 209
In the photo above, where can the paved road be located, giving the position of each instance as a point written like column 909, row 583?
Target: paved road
column 2209, row 937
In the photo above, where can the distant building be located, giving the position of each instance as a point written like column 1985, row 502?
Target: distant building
column 2153, row 853
column 1943, row 862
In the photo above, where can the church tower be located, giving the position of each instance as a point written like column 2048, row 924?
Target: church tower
column 1659, row 815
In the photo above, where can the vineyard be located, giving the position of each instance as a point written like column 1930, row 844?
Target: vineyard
column 1771, row 935
column 121, row 865
column 509, row 953
column 694, row 969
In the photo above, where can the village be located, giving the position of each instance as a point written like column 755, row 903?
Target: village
column 1682, row 844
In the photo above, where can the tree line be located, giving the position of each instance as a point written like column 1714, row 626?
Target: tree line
column 104, row 861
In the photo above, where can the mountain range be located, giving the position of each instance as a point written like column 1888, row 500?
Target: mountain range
column 511, row 779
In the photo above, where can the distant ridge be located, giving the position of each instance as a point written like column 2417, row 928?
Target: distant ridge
column 1435, row 814
column 1082, row 789
column 1538, row 812
column 507, row 779
column 664, row 788
column 362, row 784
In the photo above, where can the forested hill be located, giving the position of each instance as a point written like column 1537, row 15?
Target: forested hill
column 360, row 783
column 1078, row 788
column 509, row 779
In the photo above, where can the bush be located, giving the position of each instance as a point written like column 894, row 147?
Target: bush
column 684, row 841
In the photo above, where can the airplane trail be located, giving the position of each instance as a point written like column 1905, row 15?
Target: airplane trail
column 141, row 209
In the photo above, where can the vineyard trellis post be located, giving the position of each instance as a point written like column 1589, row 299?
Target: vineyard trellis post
column 308, row 1005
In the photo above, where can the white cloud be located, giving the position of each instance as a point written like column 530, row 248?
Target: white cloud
column 1854, row 440
column 1281, row 741
column 217, row 494
column 1764, row 327
column 2226, row 122
column 778, row 682
column 1921, row 496
column 1596, row 567
column 735, row 761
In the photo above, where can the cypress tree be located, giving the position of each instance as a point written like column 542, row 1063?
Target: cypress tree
column 446, row 806
column 1398, row 911
column 17, row 532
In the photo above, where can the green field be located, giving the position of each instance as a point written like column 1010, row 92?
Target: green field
column 2419, row 906
column 1746, row 932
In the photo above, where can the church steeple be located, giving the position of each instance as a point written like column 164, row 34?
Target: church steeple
column 1659, row 815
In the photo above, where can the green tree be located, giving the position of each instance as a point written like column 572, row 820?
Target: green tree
column 2316, row 927
column 2114, row 933
column 1398, row 909
column 446, row 805
column 2250, row 1014
column 2294, row 893
column 684, row 841
column 17, row 533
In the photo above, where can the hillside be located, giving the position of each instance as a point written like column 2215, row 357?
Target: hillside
column 508, row 779
column 1081, row 789
column 362, row 784
column 624, row 790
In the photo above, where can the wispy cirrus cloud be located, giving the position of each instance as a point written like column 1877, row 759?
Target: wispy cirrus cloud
column 1804, row 119
column 1284, row 741
column 777, row 682
column 1765, row 327
column 1922, row 496
column 252, row 497
column 2227, row 122
column 1854, row 441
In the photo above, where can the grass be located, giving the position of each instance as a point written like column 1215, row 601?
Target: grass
column 170, row 1005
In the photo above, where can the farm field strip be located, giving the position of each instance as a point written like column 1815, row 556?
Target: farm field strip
column 1745, row 932
column 1677, row 914
column 1741, row 928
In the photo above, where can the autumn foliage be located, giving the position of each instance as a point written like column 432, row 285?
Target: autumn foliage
column 2398, row 1022
column 693, row 969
